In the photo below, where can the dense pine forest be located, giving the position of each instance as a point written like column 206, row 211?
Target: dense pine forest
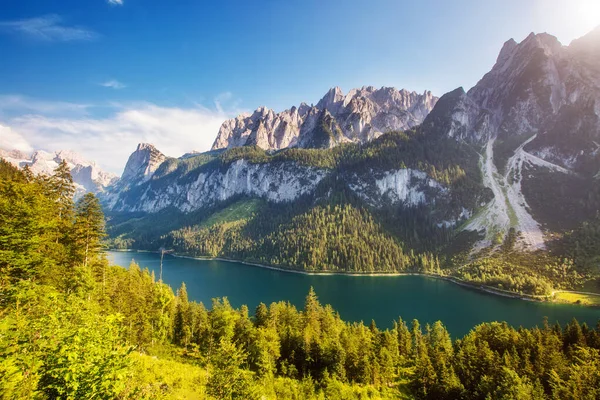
column 74, row 327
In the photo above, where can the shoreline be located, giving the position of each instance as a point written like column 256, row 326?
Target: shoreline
column 468, row 285
column 456, row 281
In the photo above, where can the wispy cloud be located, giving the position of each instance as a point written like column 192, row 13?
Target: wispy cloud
column 110, row 140
column 48, row 28
column 23, row 104
column 114, row 84
column 11, row 140
column 116, row 2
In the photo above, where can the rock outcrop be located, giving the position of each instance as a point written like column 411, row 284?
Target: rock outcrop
column 359, row 116
column 142, row 164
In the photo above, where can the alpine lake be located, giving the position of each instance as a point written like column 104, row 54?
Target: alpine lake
column 356, row 298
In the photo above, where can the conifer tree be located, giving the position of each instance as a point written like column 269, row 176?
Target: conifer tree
column 182, row 330
column 89, row 228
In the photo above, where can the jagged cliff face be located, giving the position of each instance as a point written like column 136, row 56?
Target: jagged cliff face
column 536, row 113
column 535, row 86
column 276, row 182
column 359, row 116
column 87, row 176
column 142, row 164
column 281, row 182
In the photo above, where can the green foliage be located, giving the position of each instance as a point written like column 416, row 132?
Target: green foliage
column 583, row 245
column 565, row 201
column 73, row 327
column 528, row 273
column 88, row 228
column 325, row 238
column 61, row 347
column 241, row 210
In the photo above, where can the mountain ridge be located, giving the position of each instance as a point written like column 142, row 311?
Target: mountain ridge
column 87, row 175
column 360, row 115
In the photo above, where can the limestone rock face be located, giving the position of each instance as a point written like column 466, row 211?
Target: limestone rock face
column 142, row 163
column 536, row 86
column 361, row 115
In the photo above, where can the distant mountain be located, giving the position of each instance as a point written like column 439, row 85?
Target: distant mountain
column 88, row 177
column 359, row 116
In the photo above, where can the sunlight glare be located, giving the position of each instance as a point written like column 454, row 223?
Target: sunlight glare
column 587, row 13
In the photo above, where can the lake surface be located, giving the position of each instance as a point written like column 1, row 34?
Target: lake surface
column 356, row 298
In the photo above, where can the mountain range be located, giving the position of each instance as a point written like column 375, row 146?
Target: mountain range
column 87, row 176
column 360, row 116
column 516, row 158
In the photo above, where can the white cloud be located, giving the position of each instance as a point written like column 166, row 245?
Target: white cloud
column 11, row 140
column 116, row 2
column 48, row 28
column 114, row 84
column 109, row 141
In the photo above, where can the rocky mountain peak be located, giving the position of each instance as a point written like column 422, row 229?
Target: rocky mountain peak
column 142, row 163
column 588, row 45
column 507, row 49
column 360, row 115
column 544, row 41
column 543, row 97
column 332, row 99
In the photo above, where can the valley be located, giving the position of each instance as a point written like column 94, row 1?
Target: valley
column 374, row 243
column 455, row 187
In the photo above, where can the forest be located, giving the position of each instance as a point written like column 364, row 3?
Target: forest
column 72, row 326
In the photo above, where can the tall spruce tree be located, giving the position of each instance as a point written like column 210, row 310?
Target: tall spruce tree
column 88, row 228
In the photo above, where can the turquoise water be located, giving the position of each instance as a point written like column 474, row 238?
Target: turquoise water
column 356, row 298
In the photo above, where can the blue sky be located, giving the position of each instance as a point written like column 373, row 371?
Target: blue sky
column 88, row 74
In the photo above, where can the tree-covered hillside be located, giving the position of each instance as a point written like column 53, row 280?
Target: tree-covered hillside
column 74, row 327
column 334, row 211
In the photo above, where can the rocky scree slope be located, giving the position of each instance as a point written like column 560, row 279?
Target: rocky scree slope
column 535, row 118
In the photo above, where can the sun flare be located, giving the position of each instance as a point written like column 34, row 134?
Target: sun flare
column 587, row 13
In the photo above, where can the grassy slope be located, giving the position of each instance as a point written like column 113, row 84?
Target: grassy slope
column 577, row 298
column 243, row 209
